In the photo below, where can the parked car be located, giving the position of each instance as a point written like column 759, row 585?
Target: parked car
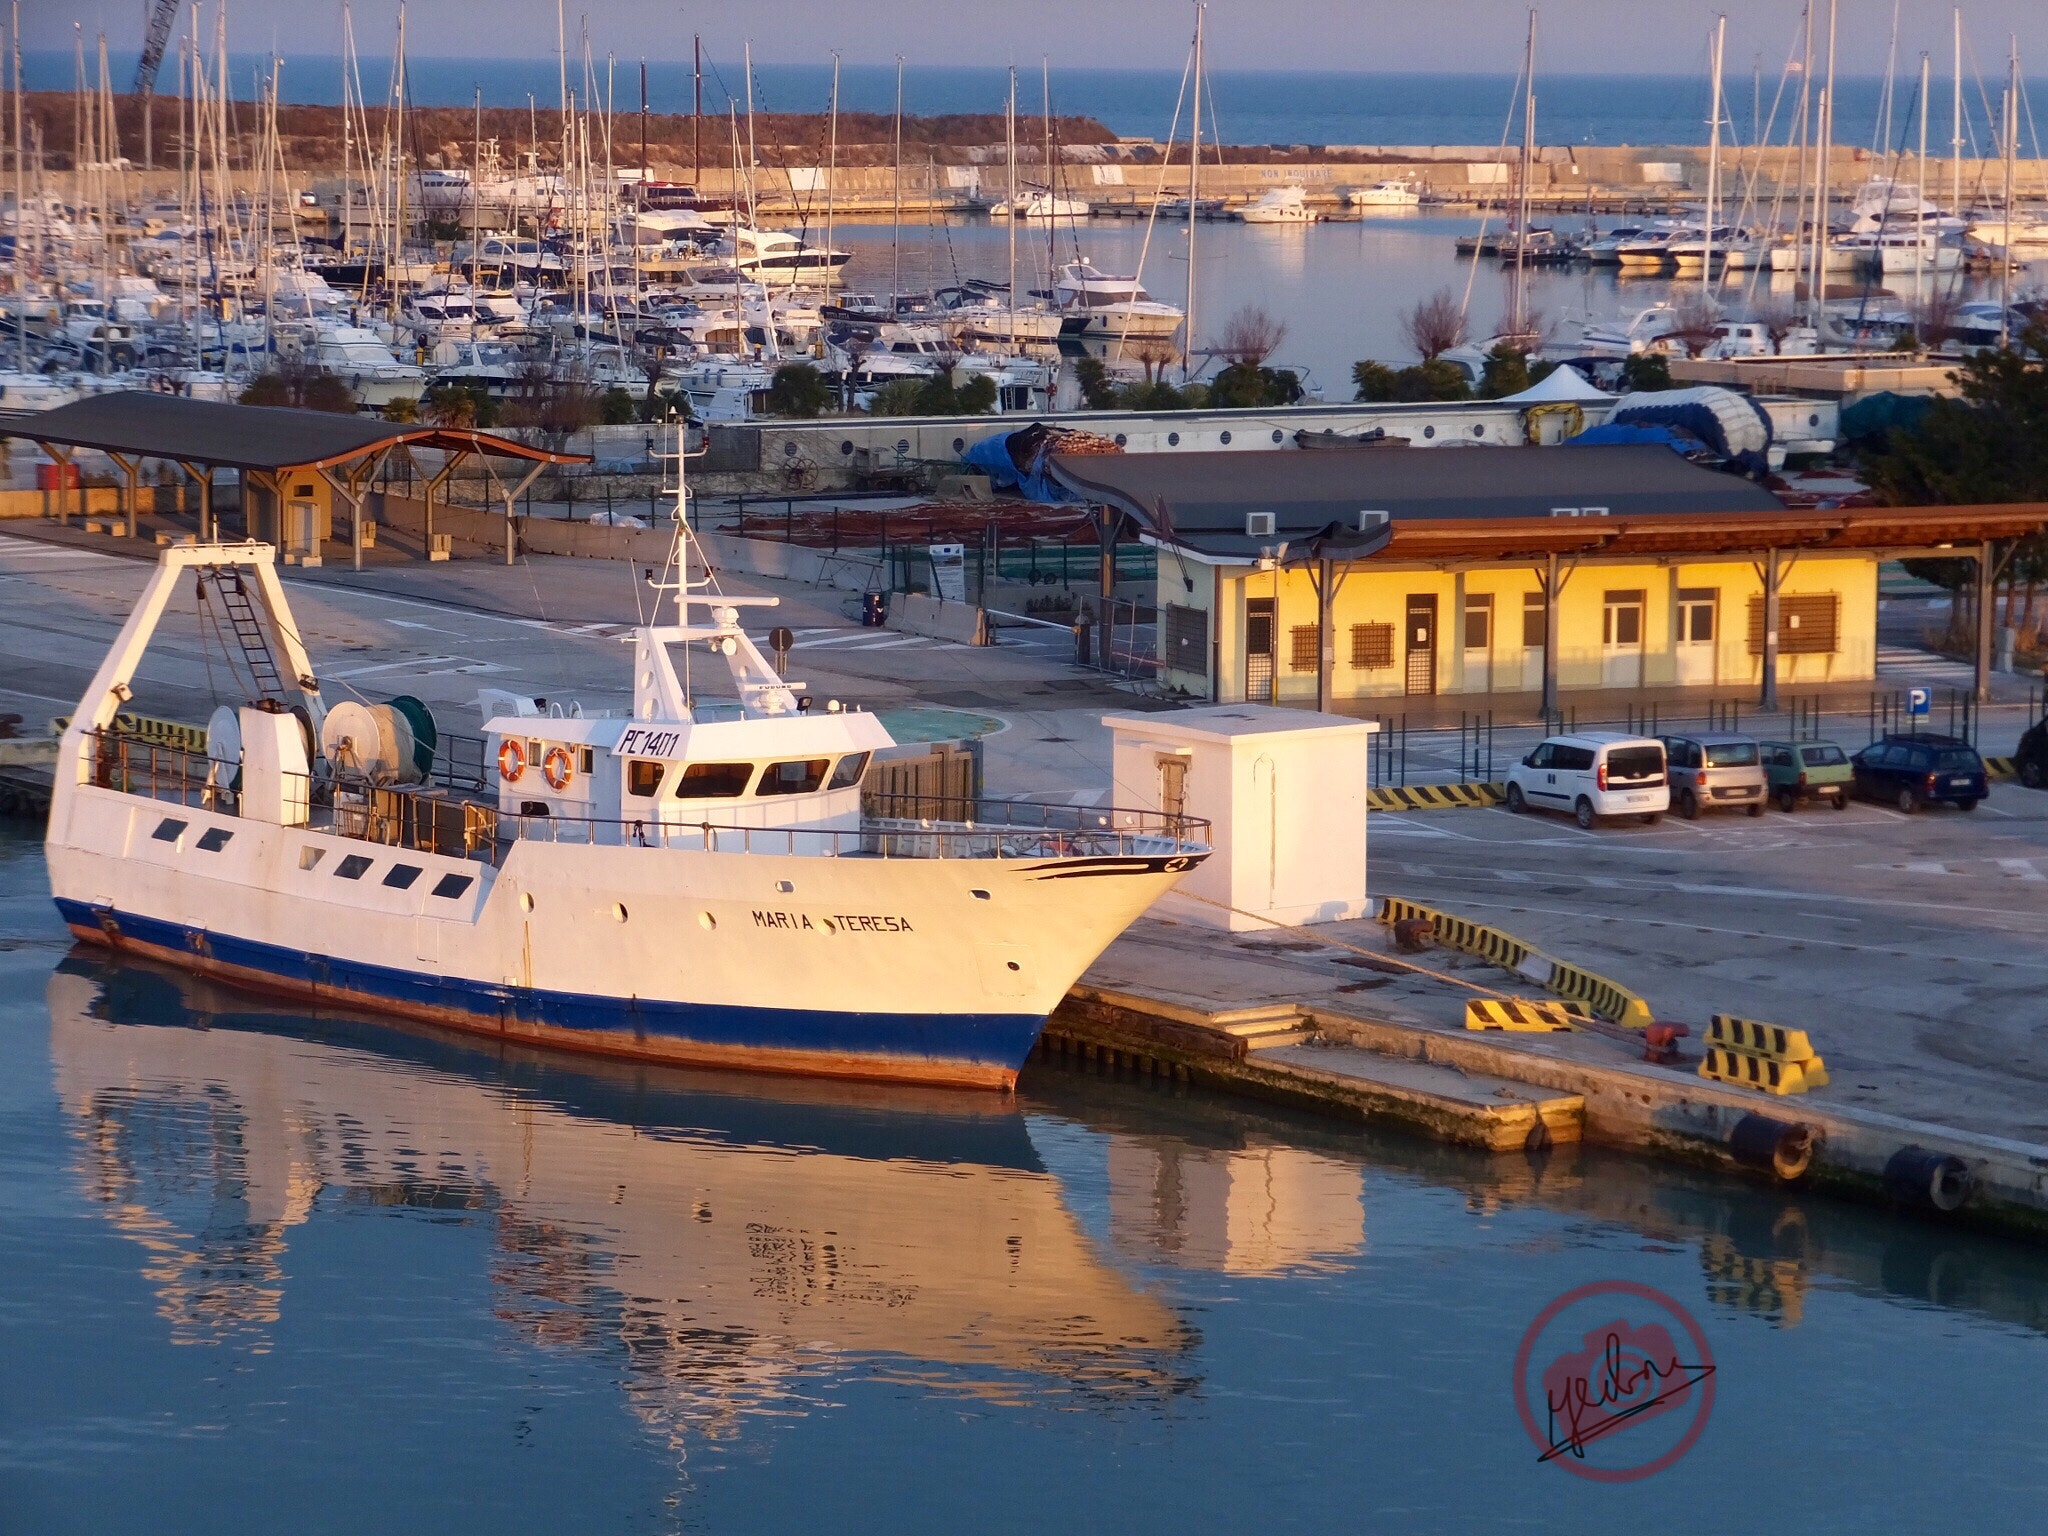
column 1912, row 771
column 2030, row 758
column 1600, row 773
column 1799, row 771
column 1717, row 771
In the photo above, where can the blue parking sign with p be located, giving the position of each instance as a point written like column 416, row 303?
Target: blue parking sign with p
column 1919, row 700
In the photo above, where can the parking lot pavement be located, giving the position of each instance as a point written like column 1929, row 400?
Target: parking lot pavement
column 1915, row 948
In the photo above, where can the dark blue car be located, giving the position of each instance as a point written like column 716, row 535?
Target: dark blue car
column 1912, row 771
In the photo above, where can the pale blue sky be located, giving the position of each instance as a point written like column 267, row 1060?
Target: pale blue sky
column 1480, row 36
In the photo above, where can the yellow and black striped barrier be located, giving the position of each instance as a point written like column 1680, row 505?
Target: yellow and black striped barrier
column 1434, row 797
column 2001, row 768
column 1503, row 949
column 1767, row 1057
column 1606, row 999
column 1525, row 1015
column 162, row 733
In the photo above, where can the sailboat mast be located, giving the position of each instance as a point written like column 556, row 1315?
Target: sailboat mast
column 1921, row 255
column 20, row 200
column 896, row 200
column 1518, row 316
column 832, row 167
column 1955, row 138
column 1714, row 156
column 2011, row 129
column 1010, row 191
column 1187, row 341
column 1825, row 135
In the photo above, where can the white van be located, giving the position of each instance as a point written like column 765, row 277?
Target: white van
column 1599, row 773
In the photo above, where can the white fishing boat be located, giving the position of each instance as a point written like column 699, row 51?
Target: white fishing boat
column 1281, row 205
column 1099, row 303
column 683, row 883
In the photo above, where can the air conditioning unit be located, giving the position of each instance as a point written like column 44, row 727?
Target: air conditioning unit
column 1260, row 525
column 1369, row 519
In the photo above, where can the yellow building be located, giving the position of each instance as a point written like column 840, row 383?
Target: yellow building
column 1501, row 571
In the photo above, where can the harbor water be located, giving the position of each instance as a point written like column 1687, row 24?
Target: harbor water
column 1340, row 288
column 268, row 1269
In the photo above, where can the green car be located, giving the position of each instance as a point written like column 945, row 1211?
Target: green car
column 1798, row 771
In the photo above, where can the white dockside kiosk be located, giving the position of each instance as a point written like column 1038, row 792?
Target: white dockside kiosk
column 1284, row 791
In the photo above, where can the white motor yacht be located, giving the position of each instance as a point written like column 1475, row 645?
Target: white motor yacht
column 1385, row 194
column 1041, row 204
column 773, row 255
column 1282, row 205
column 359, row 357
column 2021, row 232
column 1648, row 330
column 1099, row 303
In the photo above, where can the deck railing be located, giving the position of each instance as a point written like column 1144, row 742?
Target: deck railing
column 431, row 819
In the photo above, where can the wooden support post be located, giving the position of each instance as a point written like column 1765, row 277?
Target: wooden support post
column 1772, row 576
column 1987, row 594
column 1105, row 533
column 131, row 471
column 1326, row 640
column 209, row 532
column 1552, row 588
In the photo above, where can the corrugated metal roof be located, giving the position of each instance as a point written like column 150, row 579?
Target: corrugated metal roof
column 137, row 422
column 1202, row 500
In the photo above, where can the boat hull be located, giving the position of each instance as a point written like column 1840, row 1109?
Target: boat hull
column 942, row 1050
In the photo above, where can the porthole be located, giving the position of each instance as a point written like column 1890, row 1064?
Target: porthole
column 1225, row 439
column 1173, row 439
column 846, row 447
column 959, row 445
column 784, row 886
column 1813, row 420
column 979, row 895
column 1013, row 965
column 526, row 901
column 1429, row 431
column 903, row 445
column 1276, row 434
column 1121, row 440
column 789, row 450
column 618, row 911
column 706, row 921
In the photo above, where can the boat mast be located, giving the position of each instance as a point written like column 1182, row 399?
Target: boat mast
column 831, row 172
column 1920, row 251
column 1010, row 189
column 896, row 201
column 1955, row 133
column 1520, row 306
column 1714, row 156
column 20, row 203
column 1824, row 134
column 1187, row 341
column 1800, row 244
column 753, row 157
column 2011, row 128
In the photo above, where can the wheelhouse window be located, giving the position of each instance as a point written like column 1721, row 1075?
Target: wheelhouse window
column 714, row 781
column 643, row 775
column 213, row 839
column 848, row 773
column 352, row 867
column 448, row 887
column 401, row 875
column 169, row 830
column 801, row 777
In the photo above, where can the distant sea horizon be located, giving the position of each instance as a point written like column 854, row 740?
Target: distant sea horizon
column 1243, row 107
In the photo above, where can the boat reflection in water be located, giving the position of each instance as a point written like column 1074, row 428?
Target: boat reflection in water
column 730, row 1242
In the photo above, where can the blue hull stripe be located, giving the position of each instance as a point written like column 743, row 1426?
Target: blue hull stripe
column 998, row 1041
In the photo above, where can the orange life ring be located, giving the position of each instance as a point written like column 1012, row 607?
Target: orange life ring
column 511, row 761
column 557, row 769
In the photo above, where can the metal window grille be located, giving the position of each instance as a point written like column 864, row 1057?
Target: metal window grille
column 1303, row 648
column 1809, row 624
column 1186, row 639
column 1372, row 646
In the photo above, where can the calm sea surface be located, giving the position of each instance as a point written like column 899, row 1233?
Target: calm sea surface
column 267, row 1271
column 1250, row 106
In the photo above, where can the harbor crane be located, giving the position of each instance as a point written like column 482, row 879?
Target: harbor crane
column 163, row 15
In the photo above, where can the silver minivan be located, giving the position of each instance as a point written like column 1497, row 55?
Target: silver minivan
column 1716, row 771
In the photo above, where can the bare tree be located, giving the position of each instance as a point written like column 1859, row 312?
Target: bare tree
column 1934, row 320
column 1250, row 337
column 1154, row 353
column 1778, row 319
column 1694, row 317
column 1435, row 325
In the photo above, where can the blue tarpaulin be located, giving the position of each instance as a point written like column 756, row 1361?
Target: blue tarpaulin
column 1669, row 437
column 1015, row 461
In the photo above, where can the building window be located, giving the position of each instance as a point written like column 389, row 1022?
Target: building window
column 1186, row 639
column 1808, row 625
column 1696, row 607
column 1372, row 646
column 1479, row 622
column 1303, row 649
column 1621, row 622
column 1533, row 610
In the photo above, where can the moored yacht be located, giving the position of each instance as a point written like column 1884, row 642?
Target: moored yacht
column 1099, row 303
column 1281, row 205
